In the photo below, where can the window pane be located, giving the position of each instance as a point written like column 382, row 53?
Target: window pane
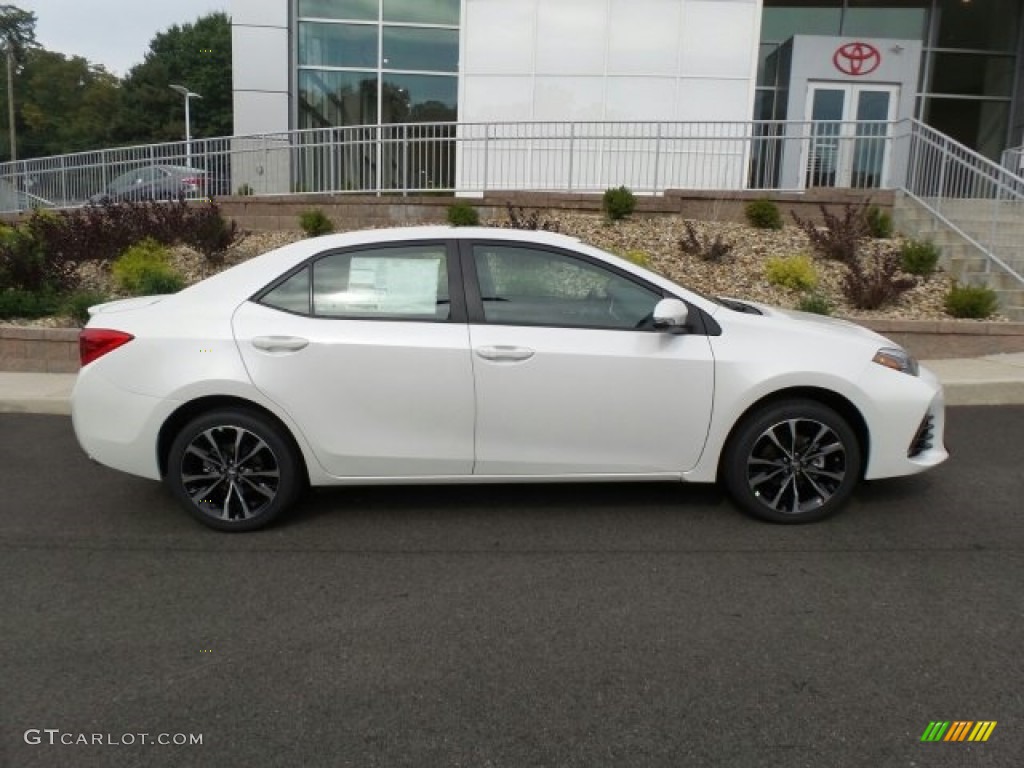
column 899, row 23
column 780, row 22
column 990, row 26
column 422, row 11
column 523, row 286
column 292, row 295
column 329, row 99
column 337, row 45
column 356, row 10
column 972, row 74
column 391, row 283
column 978, row 124
column 412, row 48
column 420, row 99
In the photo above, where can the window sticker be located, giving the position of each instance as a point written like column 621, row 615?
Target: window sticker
column 388, row 286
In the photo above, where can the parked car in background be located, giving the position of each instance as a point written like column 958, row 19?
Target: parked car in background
column 155, row 182
column 13, row 199
column 473, row 355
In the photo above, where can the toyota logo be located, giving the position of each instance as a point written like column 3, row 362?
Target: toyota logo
column 857, row 59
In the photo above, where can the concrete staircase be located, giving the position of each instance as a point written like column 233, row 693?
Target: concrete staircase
column 998, row 226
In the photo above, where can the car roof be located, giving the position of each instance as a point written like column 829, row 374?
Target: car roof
column 445, row 232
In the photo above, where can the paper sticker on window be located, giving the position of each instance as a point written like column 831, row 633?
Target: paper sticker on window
column 393, row 286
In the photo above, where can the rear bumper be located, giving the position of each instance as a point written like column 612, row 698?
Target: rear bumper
column 116, row 427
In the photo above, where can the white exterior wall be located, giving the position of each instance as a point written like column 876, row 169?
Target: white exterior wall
column 606, row 60
column 262, row 70
column 558, row 61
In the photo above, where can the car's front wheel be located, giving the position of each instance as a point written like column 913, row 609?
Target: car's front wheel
column 793, row 461
column 233, row 470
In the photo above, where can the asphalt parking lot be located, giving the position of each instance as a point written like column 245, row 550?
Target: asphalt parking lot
column 511, row 626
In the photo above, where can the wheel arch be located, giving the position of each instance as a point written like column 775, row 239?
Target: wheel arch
column 195, row 408
column 837, row 402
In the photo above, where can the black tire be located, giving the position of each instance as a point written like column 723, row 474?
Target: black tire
column 233, row 470
column 793, row 461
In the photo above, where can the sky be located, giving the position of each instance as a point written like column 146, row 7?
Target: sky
column 115, row 33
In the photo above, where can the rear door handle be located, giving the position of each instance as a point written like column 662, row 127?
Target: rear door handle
column 280, row 344
column 505, row 354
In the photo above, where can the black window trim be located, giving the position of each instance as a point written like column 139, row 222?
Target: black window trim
column 699, row 319
column 456, row 294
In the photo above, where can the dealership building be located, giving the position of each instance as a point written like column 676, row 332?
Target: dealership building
column 955, row 65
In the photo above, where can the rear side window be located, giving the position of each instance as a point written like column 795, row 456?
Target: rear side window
column 406, row 283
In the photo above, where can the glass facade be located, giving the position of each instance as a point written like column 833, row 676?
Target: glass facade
column 969, row 60
column 376, row 62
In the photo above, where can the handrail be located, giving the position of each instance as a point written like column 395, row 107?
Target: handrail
column 969, row 193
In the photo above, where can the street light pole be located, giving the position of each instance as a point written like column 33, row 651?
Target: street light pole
column 10, row 103
column 188, row 120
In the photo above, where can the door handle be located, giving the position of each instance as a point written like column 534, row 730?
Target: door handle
column 505, row 354
column 279, row 344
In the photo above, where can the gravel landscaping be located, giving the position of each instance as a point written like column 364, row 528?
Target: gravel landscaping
column 740, row 275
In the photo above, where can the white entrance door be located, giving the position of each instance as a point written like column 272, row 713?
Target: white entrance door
column 850, row 136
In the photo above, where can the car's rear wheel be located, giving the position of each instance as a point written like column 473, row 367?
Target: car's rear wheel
column 794, row 461
column 233, row 470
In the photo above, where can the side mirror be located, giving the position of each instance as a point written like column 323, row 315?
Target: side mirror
column 671, row 315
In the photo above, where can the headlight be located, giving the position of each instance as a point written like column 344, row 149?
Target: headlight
column 897, row 359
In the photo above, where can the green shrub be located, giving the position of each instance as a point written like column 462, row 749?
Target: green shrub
column 314, row 223
column 919, row 257
column 144, row 270
column 794, row 272
column 815, row 303
column 17, row 302
column 879, row 223
column 618, row 203
column 763, row 214
column 463, row 215
column 973, row 302
column 76, row 306
column 245, row 190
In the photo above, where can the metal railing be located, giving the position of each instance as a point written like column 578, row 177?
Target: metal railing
column 1013, row 160
column 968, row 192
column 647, row 157
column 980, row 200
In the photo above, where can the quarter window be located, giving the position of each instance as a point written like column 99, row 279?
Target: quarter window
column 406, row 283
column 527, row 286
column 292, row 295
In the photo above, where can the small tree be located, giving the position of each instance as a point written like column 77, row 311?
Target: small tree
column 17, row 34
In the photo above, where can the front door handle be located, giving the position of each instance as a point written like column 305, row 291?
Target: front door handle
column 280, row 344
column 504, row 354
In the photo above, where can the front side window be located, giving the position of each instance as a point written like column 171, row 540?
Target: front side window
column 404, row 283
column 521, row 285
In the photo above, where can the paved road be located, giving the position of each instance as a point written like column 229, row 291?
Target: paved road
column 516, row 626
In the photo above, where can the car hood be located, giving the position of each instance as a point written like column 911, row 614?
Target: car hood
column 820, row 325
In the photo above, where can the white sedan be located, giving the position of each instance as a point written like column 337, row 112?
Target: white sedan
column 440, row 355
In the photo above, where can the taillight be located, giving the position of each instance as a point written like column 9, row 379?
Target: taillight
column 94, row 343
column 193, row 181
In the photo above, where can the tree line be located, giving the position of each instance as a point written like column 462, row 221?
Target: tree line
column 67, row 104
